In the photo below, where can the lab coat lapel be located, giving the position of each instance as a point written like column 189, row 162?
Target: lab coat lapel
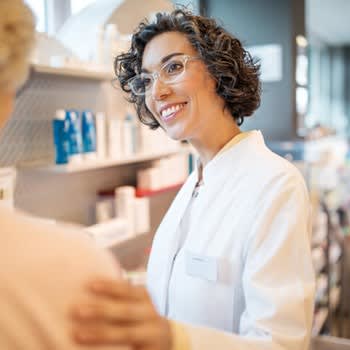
column 216, row 194
column 203, row 215
column 166, row 243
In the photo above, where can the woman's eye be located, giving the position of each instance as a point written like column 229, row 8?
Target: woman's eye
column 146, row 82
column 174, row 67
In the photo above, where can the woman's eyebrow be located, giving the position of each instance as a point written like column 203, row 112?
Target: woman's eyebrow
column 164, row 59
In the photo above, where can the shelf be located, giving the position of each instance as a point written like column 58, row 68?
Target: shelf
column 98, row 164
column 149, row 193
column 73, row 72
column 118, row 241
column 110, row 192
column 112, row 233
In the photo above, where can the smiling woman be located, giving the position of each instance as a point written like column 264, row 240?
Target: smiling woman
column 232, row 68
column 230, row 266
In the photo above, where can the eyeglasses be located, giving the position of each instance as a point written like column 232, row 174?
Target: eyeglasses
column 172, row 71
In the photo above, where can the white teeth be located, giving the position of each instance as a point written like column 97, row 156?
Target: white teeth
column 171, row 110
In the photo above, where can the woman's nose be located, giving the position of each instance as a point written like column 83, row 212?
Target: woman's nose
column 160, row 89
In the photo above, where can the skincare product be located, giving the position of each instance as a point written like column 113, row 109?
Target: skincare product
column 88, row 135
column 125, row 205
column 60, row 137
column 74, row 137
column 101, row 135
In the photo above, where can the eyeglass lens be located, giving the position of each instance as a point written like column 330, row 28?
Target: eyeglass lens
column 168, row 73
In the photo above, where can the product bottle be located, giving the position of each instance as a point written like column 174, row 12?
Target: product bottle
column 142, row 222
column 128, row 136
column 101, row 135
column 88, row 131
column 125, row 206
column 74, row 137
column 60, row 136
column 115, row 147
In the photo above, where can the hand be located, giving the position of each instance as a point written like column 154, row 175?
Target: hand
column 120, row 314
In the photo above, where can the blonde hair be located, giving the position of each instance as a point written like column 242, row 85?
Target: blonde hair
column 17, row 36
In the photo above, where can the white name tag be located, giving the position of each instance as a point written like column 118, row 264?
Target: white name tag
column 202, row 266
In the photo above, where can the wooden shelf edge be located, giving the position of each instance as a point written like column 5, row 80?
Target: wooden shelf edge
column 149, row 193
column 72, row 72
column 100, row 164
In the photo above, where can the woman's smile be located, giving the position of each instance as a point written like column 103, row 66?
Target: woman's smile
column 169, row 112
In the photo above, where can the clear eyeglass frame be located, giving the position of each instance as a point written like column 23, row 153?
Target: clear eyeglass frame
column 170, row 72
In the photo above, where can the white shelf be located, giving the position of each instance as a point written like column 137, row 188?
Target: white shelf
column 99, row 164
column 73, row 72
column 114, row 243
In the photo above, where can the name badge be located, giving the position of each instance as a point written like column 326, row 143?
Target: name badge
column 202, row 266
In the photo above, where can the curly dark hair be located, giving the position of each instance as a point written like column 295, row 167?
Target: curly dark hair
column 236, row 73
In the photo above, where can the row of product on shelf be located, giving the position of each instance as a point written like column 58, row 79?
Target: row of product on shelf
column 125, row 211
column 124, row 217
column 320, row 162
column 323, row 163
column 327, row 254
column 164, row 173
column 84, row 136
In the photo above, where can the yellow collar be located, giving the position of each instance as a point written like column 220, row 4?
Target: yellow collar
column 229, row 144
column 234, row 141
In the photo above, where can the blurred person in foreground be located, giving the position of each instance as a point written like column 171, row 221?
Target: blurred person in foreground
column 43, row 267
column 230, row 266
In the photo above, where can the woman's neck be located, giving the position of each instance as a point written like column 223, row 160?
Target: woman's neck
column 215, row 139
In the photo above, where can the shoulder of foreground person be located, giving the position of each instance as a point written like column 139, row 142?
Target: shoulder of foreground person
column 49, row 240
column 45, row 269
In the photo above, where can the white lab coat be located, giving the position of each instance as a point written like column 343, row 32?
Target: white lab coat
column 244, row 273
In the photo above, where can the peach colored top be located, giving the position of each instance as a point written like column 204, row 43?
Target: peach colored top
column 43, row 271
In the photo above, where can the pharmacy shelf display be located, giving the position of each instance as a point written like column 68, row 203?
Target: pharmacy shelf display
column 327, row 251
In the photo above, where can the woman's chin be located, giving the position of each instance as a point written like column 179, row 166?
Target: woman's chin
column 176, row 136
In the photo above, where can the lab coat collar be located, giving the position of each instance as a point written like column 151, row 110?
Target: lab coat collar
column 213, row 170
